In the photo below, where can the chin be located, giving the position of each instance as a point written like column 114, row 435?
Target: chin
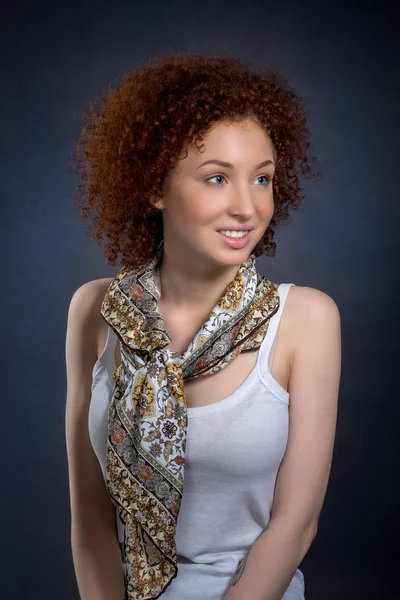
column 230, row 257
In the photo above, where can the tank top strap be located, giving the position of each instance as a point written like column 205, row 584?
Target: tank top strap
column 266, row 345
column 107, row 356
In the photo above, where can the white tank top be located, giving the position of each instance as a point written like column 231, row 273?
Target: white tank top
column 233, row 451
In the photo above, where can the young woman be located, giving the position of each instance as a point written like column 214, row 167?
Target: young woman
column 202, row 397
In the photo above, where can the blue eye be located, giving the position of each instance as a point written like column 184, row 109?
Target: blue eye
column 213, row 177
column 267, row 177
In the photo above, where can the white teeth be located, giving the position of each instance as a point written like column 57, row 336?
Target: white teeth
column 234, row 234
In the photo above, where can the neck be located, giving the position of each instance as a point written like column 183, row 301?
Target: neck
column 191, row 285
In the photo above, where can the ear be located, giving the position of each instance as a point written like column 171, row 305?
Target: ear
column 157, row 202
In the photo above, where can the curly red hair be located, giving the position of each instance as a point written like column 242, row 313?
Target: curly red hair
column 132, row 139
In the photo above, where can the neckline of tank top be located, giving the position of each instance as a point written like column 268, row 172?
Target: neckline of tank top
column 256, row 372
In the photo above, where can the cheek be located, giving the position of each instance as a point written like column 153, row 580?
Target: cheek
column 269, row 210
column 200, row 212
column 266, row 207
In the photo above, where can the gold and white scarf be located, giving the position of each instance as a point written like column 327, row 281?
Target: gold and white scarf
column 147, row 416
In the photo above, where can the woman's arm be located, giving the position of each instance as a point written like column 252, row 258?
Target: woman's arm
column 304, row 472
column 95, row 547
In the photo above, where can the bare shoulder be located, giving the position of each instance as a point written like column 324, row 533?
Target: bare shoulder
column 84, row 313
column 90, row 292
column 303, row 301
column 308, row 309
column 86, row 301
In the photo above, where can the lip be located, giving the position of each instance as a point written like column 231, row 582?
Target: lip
column 236, row 242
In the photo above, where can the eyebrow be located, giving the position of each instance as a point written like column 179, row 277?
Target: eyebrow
column 222, row 163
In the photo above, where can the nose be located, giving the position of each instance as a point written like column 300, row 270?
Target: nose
column 241, row 204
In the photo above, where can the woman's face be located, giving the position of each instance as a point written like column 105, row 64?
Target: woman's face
column 204, row 197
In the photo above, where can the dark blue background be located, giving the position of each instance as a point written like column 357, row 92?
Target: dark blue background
column 344, row 60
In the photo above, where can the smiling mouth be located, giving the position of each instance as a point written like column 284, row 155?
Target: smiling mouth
column 235, row 241
column 235, row 235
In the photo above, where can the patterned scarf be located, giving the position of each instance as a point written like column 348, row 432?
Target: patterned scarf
column 147, row 416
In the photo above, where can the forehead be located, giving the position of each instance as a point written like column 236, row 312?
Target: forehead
column 232, row 141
